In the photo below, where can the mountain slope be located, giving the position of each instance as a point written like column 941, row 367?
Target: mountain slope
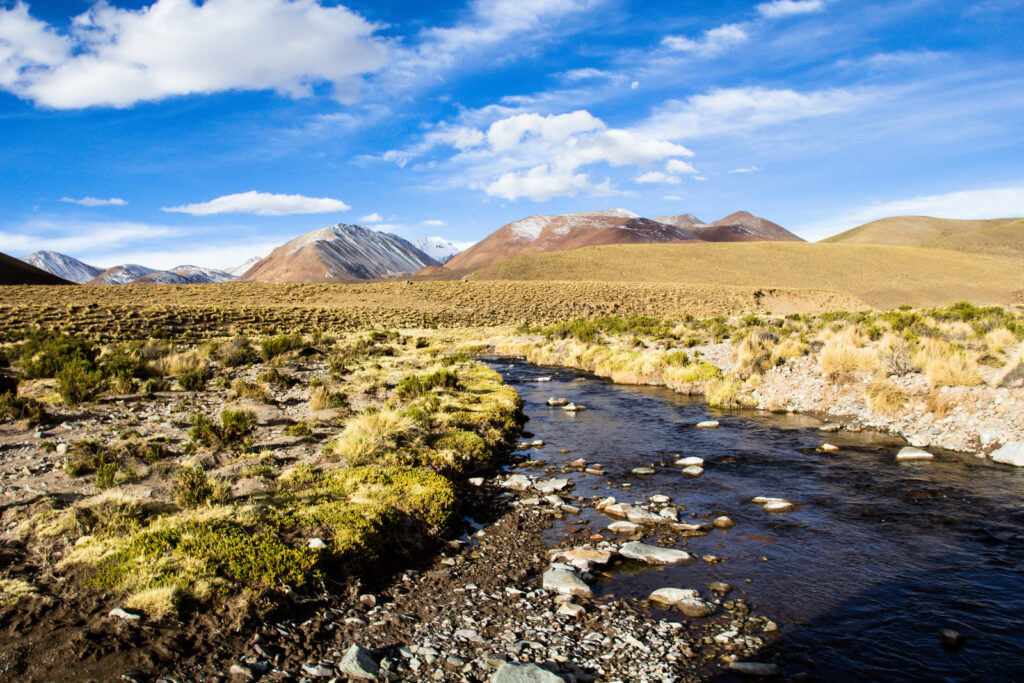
column 239, row 270
column 999, row 236
column 121, row 275
column 537, row 234
column 437, row 248
column 882, row 276
column 737, row 227
column 340, row 251
column 16, row 272
column 63, row 266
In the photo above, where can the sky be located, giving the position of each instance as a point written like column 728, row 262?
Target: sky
column 185, row 132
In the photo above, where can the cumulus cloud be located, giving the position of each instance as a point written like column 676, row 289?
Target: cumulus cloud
column 712, row 42
column 656, row 177
column 778, row 9
column 93, row 201
column 542, row 182
column 996, row 202
column 672, row 198
column 372, row 218
column 732, row 110
column 262, row 204
column 507, row 133
column 679, row 166
column 116, row 57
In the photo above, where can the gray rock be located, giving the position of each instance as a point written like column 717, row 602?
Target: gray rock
column 723, row 522
column 1012, row 453
column 315, row 543
column 240, row 671
column 316, row 670
column 624, row 528
column 753, row 668
column 639, row 515
column 708, row 424
column 692, row 461
column 672, row 596
column 358, row 663
column 693, row 471
column 696, row 608
column 566, row 582
column 517, row 482
column 551, row 485
column 911, row 453
column 524, row 673
column 643, row 470
column 569, row 609
column 119, row 613
column 830, row 427
column 652, row 554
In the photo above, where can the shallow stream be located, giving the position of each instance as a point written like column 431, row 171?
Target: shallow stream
column 861, row 578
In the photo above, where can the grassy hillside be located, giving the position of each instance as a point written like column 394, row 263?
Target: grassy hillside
column 1003, row 236
column 882, row 276
column 16, row 272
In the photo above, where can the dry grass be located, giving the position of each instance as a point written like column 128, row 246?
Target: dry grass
column 247, row 389
column 939, row 404
column 845, row 352
column 886, row 397
column 1000, row 340
column 369, row 436
column 946, row 366
column 180, row 363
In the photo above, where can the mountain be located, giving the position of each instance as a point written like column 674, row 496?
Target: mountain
column 538, row 234
column 199, row 275
column 239, row 270
column 16, row 272
column 63, row 266
column 340, row 251
column 1000, row 236
column 437, row 248
column 121, row 275
column 737, row 227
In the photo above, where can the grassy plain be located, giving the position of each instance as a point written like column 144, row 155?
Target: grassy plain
column 1000, row 236
column 879, row 276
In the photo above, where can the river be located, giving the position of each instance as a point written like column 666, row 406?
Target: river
column 861, row 578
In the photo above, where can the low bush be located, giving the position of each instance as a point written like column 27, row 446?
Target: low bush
column 78, row 382
column 254, row 391
column 322, row 398
column 412, row 386
column 272, row 347
column 17, row 408
column 231, row 433
column 886, row 397
column 195, row 380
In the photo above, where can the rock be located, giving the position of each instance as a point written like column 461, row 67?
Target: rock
column 119, row 613
column 1012, row 375
column 696, row 608
column 358, row 664
column 624, row 528
column 672, row 596
column 708, row 424
column 643, row 470
column 720, row 587
column 911, row 453
column 557, row 402
column 250, row 486
column 517, row 482
column 660, row 499
column 642, row 516
column 476, row 481
column 551, row 485
column 753, row 668
column 653, row 554
column 315, row 543
column 952, row 640
column 469, row 635
column 692, row 461
column 62, row 449
column 578, row 462
column 1012, row 453
column 602, row 504
column 537, row 443
column 723, row 522
column 240, row 671
column 693, row 471
column 830, row 427
column 569, row 609
column 573, row 408
column 597, row 471
column 828, row 447
column 566, row 582
column 524, row 673
column 316, row 670
column 669, row 514
column 775, row 504
column 585, row 558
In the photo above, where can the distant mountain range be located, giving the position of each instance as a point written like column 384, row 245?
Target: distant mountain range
column 541, row 234
column 73, row 270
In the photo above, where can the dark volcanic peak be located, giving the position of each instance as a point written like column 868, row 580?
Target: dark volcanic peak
column 16, row 272
column 340, row 251
column 537, row 234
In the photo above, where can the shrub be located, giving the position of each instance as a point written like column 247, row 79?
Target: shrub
column 154, row 385
column 945, row 365
column 322, row 398
column 885, row 396
column 14, row 408
column 412, row 386
column 723, row 393
column 841, row 354
column 243, row 388
column 195, row 380
column 192, row 487
column 276, row 378
column 464, row 443
column 44, row 353
column 234, row 426
column 298, row 429
column 238, row 351
column 78, row 382
column 273, row 347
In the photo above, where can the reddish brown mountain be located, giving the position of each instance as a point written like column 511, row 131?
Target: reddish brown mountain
column 570, row 231
column 738, row 227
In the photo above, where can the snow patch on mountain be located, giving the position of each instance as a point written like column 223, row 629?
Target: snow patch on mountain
column 437, row 248
column 63, row 266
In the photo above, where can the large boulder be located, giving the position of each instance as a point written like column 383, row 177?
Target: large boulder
column 1012, row 453
column 566, row 582
column 652, row 554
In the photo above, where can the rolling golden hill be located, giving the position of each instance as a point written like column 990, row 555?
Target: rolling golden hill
column 1000, row 236
column 881, row 276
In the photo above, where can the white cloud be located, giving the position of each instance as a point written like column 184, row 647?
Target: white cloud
column 679, row 166
column 748, row 169
column 586, row 74
column 634, row 85
column 507, row 133
column 733, row 110
column 70, row 237
column 542, row 182
column 712, row 42
column 672, row 198
column 116, row 57
column 778, row 9
column 996, row 202
column 372, row 218
column 656, row 177
column 434, row 222
column 222, row 255
column 262, row 204
column 93, row 201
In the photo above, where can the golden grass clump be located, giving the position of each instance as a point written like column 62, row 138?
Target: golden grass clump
column 180, row 363
column 13, row 590
column 369, row 436
column 754, row 354
column 939, row 404
column 946, row 366
column 886, row 397
column 999, row 340
column 255, row 391
column 844, row 352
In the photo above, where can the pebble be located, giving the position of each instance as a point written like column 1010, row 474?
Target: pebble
column 828, row 447
column 693, row 471
column 316, row 670
column 911, row 453
column 830, row 427
column 708, row 424
column 524, row 673
column 653, row 554
column 119, row 613
column 624, row 528
column 643, row 470
column 723, row 522
column 690, row 461
column 358, row 663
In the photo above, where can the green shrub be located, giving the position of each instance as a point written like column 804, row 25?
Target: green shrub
column 194, row 380
column 234, row 426
column 192, row 487
column 254, row 391
column 272, row 347
column 298, row 429
column 412, row 386
column 78, row 382
column 237, row 351
column 44, row 353
column 322, row 398
column 276, row 378
column 15, row 408
column 154, row 385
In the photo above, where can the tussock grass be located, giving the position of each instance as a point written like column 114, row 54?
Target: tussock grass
column 886, row 397
column 368, row 437
column 845, row 352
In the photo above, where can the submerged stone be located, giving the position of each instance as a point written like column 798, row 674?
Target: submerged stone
column 652, row 554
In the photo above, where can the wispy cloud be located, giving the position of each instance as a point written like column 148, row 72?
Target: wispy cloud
column 656, row 177
column 712, row 42
column 778, row 9
column 372, row 218
column 746, row 169
column 261, row 204
column 93, row 201
column 74, row 237
column 435, row 222
column 116, row 57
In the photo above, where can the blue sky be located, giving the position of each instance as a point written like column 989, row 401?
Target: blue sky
column 176, row 132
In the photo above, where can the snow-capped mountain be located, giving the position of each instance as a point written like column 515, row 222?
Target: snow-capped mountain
column 63, row 266
column 437, row 248
column 197, row 274
column 121, row 275
column 340, row 251
column 239, row 270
